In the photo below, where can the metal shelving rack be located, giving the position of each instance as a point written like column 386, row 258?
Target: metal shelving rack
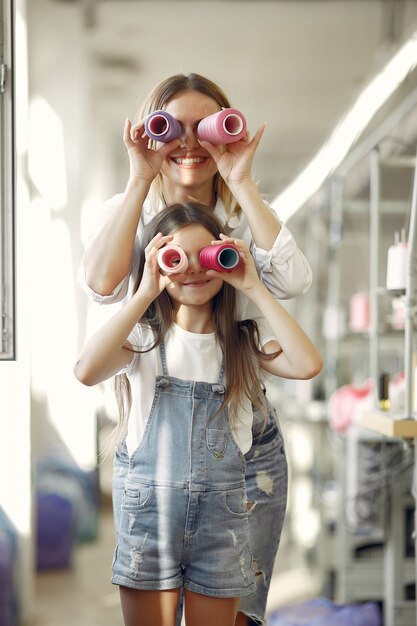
column 395, row 570
column 398, row 611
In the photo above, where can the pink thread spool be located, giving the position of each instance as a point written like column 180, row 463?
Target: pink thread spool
column 226, row 126
column 222, row 258
column 161, row 126
column 172, row 259
column 359, row 312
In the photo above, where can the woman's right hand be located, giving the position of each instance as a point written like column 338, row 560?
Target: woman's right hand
column 145, row 163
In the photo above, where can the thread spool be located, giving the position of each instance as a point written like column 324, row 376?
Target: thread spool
column 226, row 126
column 172, row 259
column 359, row 312
column 161, row 126
column 383, row 392
column 397, row 264
column 222, row 258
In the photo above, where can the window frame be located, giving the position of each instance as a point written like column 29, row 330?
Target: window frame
column 7, row 186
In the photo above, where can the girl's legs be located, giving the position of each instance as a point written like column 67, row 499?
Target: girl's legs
column 241, row 619
column 143, row 607
column 203, row 610
column 158, row 608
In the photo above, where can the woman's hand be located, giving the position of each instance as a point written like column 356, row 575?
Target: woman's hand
column 145, row 163
column 244, row 276
column 234, row 160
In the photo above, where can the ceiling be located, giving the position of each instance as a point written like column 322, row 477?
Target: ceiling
column 297, row 65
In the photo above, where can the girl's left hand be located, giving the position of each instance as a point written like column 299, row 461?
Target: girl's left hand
column 244, row 276
column 234, row 160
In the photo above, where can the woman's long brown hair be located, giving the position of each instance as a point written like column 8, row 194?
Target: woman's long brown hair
column 238, row 340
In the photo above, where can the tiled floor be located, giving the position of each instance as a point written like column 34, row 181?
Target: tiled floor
column 83, row 595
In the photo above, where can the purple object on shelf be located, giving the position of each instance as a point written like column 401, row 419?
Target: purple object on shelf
column 161, row 126
column 172, row 259
column 222, row 258
column 226, row 126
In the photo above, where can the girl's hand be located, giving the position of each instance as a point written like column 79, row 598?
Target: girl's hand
column 244, row 276
column 145, row 163
column 234, row 160
column 153, row 282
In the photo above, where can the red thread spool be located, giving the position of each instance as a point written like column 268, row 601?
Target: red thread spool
column 222, row 258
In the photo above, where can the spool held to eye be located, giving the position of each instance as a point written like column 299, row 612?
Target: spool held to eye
column 172, row 259
column 161, row 126
column 226, row 126
column 222, row 258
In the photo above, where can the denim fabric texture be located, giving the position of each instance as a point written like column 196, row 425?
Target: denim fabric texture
column 180, row 503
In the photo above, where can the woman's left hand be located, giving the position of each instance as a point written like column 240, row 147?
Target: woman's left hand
column 244, row 276
column 234, row 160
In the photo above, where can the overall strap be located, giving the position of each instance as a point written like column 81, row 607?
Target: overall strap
column 164, row 359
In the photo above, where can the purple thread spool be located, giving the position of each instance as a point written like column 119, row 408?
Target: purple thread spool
column 226, row 126
column 222, row 258
column 161, row 126
column 172, row 259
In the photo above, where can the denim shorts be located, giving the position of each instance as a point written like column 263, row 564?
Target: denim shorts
column 204, row 563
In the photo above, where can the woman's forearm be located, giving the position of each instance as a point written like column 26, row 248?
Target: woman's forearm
column 108, row 258
column 263, row 224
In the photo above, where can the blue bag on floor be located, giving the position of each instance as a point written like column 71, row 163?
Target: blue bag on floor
column 323, row 612
column 55, row 530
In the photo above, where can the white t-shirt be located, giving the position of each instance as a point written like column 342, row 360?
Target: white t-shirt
column 190, row 356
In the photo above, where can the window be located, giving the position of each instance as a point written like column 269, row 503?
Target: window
column 7, row 185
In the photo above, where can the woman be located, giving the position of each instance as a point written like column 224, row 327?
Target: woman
column 187, row 170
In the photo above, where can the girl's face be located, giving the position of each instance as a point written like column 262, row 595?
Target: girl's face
column 190, row 165
column 197, row 289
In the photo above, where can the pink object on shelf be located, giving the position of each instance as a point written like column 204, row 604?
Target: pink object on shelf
column 172, row 259
column 226, row 126
column 347, row 403
column 359, row 313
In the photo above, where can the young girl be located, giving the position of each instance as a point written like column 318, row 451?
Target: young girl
column 194, row 374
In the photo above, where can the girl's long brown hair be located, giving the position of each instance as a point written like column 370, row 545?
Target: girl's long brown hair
column 159, row 97
column 238, row 340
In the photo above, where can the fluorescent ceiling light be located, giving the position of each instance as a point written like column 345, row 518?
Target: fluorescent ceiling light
column 347, row 131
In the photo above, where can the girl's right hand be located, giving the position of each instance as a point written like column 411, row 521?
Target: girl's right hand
column 145, row 163
column 153, row 281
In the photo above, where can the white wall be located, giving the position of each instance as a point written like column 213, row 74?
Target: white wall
column 62, row 410
column 43, row 407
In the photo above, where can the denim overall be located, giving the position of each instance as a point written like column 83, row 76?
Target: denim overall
column 183, row 517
